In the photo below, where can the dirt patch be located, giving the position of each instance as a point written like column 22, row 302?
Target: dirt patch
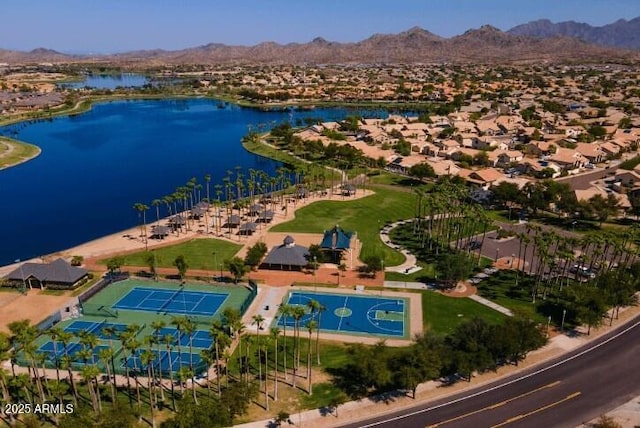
column 33, row 306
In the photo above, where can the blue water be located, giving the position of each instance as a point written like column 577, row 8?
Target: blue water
column 110, row 81
column 95, row 166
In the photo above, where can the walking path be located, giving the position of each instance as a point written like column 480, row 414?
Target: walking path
column 410, row 264
column 491, row 305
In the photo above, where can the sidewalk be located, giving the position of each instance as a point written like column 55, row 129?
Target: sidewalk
column 492, row 305
column 359, row 410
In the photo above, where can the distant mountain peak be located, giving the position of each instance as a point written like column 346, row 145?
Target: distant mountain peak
column 621, row 33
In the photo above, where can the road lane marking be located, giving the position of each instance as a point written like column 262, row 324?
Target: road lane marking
column 496, row 405
column 541, row 409
column 505, row 384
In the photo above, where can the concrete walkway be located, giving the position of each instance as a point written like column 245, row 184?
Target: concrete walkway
column 408, row 284
column 410, row 264
column 492, row 305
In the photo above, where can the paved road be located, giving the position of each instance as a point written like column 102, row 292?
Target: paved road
column 582, row 181
column 565, row 392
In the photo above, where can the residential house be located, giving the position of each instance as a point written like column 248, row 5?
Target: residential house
column 502, row 158
column 591, row 151
column 485, row 177
column 568, row 158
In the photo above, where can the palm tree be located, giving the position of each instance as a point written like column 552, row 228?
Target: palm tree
column 147, row 358
column 65, row 338
column 311, row 326
column 284, row 311
column 257, row 320
column 297, row 313
column 5, row 350
column 217, row 333
column 178, row 323
column 89, row 373
column 106, row 356
column 110, row 333
column 317, row 308
column 189, row 328
column 275, row 332
column 157, row 326
column 54, row 333
column 142, row 212
column 168, row 340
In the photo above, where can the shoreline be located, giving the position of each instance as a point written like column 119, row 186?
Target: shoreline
column 32, row 151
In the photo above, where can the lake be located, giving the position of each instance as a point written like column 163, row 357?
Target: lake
column 109, row 81
column 95, row 166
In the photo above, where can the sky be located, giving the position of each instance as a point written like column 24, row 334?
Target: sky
column 109, row 26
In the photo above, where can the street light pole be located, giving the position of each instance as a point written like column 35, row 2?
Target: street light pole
column 215, row 264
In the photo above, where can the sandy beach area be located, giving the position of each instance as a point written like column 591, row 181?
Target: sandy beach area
column 132, row 239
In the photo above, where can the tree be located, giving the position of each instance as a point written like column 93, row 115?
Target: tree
column 422, row 170
column 604, row 207
column 77, row 260
column 115, row 263
column 506, row 193
column 316, row 308
column 312, row 325
column 142, row 213
column 152, row 262
column 255, row 254
column 237, row 268
column 373, row 264
column 181, row 264
column 454, row 267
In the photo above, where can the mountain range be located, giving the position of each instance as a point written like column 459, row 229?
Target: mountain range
column 529, row 43
column 621, row 34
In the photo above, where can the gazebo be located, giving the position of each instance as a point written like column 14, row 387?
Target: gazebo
column 247, row 228
column 287, row 256
column 159, row 232
column 233, row 221
column 334, row 242
column 265, row 216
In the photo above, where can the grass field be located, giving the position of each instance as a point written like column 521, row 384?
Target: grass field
column 198, row 253
column 13, row 152
column 443, row 314
column 366, row 216
column 501, row 289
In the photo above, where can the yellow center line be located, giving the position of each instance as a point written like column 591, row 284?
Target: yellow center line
column 495, row 406
column 541, row 409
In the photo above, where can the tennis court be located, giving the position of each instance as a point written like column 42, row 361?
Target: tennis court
column 356, row 314
column 97, row 328
column 49, row 348
column 199, row 339
column 166, row 362
column 166, row 301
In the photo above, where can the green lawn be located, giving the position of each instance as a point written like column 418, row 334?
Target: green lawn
column 198, row 253
column 13, row 152
column 501, row 288
column 366, row 216
column 442, row 314
column 427, row 273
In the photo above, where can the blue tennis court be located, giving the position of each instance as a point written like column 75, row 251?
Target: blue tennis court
column 199, row 339
column 180, row 301
column 71, row 349
column 348, row 313
column 97, row 328
column 164, row 361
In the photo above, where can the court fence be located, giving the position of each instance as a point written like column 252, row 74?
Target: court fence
column 101, row 285
column 98, row 310
column 253, row 292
